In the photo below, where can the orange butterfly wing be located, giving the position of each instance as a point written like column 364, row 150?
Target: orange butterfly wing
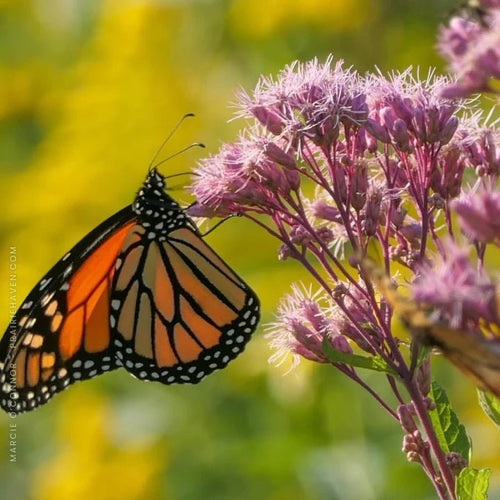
column 61, row 332
column 185, row 314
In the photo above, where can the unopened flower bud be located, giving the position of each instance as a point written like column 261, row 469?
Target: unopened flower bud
column 345, row 160
column 359, row 185
column 429, row 404
column 307, row 337
column 398, row 253
column 401, row 136
column 409, row 443
column 413, row 456
column 406, row 417
column 491, row 154
column 398, row 173
column 340, row 182
column 378, row 131
column 325, row 234
column 370, row 226
column 361, row 143
column 412, row 233
column 340, row 343
column 437, row 201
column 271, row 176
column 372, row 212
column 322, row 210
column 284, row 252
column 268, row 118
column 456, row 462
column 387, row 117
column 414, row 446
column 448, row 131
column 326, row 133
column 423, row 377
column 299, row 235
column 293, row 179
column 481, row 171
column 402, row 109
column 398, row 216
column 339, row 291
column 275, row 153
column 359, row 108
column 371, row 143
column 413, row 257
column 433, row 128
column 420, row 128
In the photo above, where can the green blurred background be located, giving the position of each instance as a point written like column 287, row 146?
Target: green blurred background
column 88, row 90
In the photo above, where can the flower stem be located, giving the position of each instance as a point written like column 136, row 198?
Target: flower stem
column 423, row 416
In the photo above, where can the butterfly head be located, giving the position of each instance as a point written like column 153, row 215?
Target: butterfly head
column 154, row 180
column 156, row 211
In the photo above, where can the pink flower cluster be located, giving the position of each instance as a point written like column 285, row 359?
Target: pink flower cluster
column 339, row 166
column 382, row 161
column 471, row 45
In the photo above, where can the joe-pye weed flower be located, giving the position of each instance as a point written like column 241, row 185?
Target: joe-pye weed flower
column 387, row 157
column 471, row 45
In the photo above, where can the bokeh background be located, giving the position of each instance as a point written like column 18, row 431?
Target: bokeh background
column 88, row 91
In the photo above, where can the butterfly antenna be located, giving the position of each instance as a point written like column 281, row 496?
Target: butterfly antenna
column 172, row 132
column 178, row 186
column 183, row 150
column 181, row 173
column 220, row 223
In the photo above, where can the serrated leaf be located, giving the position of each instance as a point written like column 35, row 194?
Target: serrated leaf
column 490, row 405
column 472, row 484
column 375, row 363
column 450, row 432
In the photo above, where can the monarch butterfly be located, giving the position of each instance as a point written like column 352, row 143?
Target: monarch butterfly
column 141, row 291
column 473, row 354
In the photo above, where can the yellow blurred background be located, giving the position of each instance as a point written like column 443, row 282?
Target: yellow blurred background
column 88, row 91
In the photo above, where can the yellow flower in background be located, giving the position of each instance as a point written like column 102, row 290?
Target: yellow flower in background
column 23, row 84
column 115, row 106
column 269, row 17
column 90, row 464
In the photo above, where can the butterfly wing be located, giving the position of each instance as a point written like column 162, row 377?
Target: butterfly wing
column 61, row 333
column 476, row 356
column 178, row 310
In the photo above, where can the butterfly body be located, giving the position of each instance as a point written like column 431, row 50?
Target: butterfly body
column 142, row 291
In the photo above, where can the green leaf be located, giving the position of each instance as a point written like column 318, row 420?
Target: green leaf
column 472, row 484
column 490, row 405
column 375, row 363
column 450, row 432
